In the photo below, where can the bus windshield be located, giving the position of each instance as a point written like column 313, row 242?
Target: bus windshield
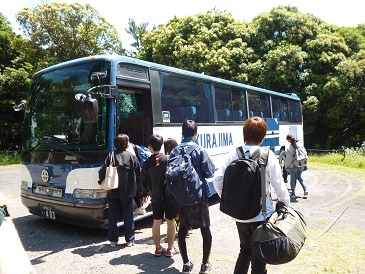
column 54, row 117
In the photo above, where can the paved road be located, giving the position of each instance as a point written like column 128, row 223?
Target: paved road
column 336, row 202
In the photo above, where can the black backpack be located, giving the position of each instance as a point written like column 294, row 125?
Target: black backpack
column 182, row 180
column 241, row 193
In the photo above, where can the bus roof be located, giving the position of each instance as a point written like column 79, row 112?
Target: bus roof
column 134, row 61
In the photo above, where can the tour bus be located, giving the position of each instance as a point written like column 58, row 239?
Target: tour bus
column 75, row 109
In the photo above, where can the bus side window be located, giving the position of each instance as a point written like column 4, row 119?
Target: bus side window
column 203, row 115
column 237, row 115
column 223, row 103
column 181, row 114
column 239, row 105
column 223, row 114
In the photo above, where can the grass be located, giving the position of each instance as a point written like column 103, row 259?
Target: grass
column 352, row 157
column 330, row 253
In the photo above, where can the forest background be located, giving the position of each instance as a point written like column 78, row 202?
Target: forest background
column 283, row 50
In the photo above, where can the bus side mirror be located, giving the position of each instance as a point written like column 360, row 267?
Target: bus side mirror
column 89, row 107
column 99, row 75
column 90, row 111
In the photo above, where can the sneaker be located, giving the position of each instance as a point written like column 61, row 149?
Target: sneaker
column 306, row 193
column 113, row 244
column 159, row 251
column 205, row 268
column 130, row 244
column 171, row 252
column 187, row 268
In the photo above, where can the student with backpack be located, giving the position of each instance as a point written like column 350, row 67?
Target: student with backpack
column 254, row 132
column 195, row 215
column 295, row 161
column 152, row 181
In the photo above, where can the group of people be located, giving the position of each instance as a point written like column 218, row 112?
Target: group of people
column 151, row 180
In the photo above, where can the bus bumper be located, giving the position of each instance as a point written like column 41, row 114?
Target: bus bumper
column 84, row 215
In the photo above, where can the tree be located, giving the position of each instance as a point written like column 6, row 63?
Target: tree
column 137, row 32
column 61, row 32
column 14, row 82
column 302, row 54
column 212, row 43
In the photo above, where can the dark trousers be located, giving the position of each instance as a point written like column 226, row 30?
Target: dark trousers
column 207, row 242
column 125, row 207
column 245, row 257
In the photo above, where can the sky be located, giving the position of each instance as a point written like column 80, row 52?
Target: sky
column 342, row 13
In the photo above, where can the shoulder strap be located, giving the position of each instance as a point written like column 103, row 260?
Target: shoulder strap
column 191, row 148
column 111, row 159
column 262, row 161
column 240, row 153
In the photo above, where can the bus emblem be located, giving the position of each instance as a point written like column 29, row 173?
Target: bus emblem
column 45, row 176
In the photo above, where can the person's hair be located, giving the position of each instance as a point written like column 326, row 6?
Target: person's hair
column 121, row 142
column 189, row 128
column 155, row 141
column 254, row 130
column 169, row 145
column 291, row 138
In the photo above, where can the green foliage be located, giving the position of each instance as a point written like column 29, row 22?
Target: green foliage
column 61, row 32
column 210, row 43
column 137, row 32
column 14, row 82
column 349, row 157
column 9, row 158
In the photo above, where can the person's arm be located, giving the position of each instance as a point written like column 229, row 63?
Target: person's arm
column 207, row 166
column 144, row 181
column 276, row 179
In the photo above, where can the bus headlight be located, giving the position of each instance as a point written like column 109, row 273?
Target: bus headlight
column 89, row 193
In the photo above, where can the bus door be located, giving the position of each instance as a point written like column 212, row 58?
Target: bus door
column 134, row 114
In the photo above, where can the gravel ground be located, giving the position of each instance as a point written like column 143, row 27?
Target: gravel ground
column 335, row 203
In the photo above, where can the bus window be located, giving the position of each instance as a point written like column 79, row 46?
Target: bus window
column 280, row 109
column 259, row 105
column 223, row 104
column 239, row 105
column 265, row 105
column 284, row 116
column 294, row 112
column 186, row 98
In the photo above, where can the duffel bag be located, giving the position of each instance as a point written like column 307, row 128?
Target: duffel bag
column 280, row 238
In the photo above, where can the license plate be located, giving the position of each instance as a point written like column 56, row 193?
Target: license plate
column 48, row 191
column 48, row 212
